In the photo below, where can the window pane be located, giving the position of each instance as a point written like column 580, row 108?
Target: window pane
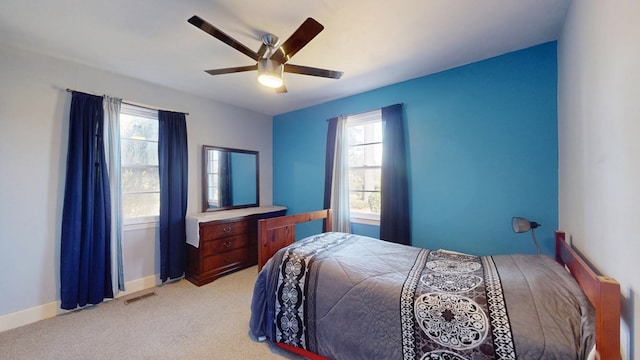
column 364, row 202
column 212, row 190
column 139, row 152
column 139, row 205
column 140, row 179
column 367, row 179
column 365, row 133
column 356, row 135
column 365, row 155
column 364, row 190
column 138, row 128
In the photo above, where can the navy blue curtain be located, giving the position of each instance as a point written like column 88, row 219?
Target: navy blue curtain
column 172, row 163
column 394, row 210
column 85, row 249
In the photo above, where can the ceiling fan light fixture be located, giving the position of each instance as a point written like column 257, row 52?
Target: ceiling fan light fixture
column 270, row 73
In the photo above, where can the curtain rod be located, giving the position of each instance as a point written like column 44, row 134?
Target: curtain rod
column 366, row 111
column 129, row 103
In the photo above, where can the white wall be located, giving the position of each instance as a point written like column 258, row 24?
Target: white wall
column 599, row 144
column 34, row 106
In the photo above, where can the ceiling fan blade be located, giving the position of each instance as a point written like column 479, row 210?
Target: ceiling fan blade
column 306, row 70
column 218, row 34
column 232, row 70
column 281, row 89
column 301, row 37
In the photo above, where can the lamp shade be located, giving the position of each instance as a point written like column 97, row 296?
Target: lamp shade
column 521, row 225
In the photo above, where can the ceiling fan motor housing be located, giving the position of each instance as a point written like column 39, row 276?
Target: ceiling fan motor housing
column 270, row 40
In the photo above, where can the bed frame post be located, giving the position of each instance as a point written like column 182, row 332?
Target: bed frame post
column 328, row 222
column 602, row 291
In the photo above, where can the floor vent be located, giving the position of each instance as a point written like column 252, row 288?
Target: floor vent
column 136, row 297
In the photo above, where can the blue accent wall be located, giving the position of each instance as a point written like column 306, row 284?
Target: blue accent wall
column 482, row 147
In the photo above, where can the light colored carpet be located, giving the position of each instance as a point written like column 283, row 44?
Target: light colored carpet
column 182, row 321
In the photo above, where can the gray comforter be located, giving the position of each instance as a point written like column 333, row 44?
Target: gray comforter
column 346, row 296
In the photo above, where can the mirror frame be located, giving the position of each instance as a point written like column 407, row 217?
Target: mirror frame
column 205, row 200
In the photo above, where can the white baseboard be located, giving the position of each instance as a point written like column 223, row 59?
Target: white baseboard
column 140, row 284
column 45, row 311
column 31, row 315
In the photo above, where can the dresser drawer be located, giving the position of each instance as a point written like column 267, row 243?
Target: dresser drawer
column 216, row 231
column 220, row 261
column 218, row 246
column 224, row 245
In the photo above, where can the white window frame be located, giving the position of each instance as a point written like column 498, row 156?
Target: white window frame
column 356, row 120
column 140, row 222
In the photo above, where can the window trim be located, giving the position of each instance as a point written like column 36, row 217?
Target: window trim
column 364, row 218
column 373, row 116
column 140, row 223
column 149, row 221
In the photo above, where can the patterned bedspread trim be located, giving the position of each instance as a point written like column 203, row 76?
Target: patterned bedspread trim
column 290, row 293
column 502, row 335
column 444, row 302
column 406, row 305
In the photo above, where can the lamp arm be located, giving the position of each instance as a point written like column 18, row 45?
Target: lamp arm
column 533, row 234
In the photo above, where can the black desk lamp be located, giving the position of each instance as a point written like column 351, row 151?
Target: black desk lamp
column 521, row 225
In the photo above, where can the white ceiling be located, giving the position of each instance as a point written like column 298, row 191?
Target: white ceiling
column 374, row 42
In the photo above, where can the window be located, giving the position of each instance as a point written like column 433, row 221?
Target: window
column 213, row 180
column 365, row 166
column 139, row 164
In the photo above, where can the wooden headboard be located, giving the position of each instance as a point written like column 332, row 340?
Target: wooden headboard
column 278, row 232
column 602, row 291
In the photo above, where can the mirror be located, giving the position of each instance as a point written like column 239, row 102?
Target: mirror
column 229, row 178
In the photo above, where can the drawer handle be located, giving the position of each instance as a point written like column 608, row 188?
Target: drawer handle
column 227, row 260
column 227, row 229
column 227, row 244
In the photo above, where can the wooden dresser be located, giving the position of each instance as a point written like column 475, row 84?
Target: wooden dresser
column 224, row 241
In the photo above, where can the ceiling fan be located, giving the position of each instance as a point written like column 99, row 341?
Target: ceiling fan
column 272, row 58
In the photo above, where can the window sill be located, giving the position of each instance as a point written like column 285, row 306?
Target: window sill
column 365, row 220
column 143, row 223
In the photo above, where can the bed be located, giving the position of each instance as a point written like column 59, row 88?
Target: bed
column 344, row 296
